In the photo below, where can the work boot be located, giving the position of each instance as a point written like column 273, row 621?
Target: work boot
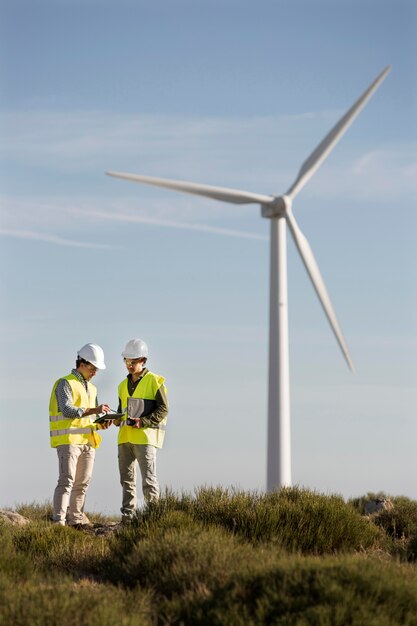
column 83, row 521
column 80, row 526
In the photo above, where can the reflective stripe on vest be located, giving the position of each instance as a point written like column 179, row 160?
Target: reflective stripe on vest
column 80, row 430
column 69, row 431
column 147, row 389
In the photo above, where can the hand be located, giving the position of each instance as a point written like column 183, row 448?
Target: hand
column 105, row 425
column 138, row 422
column 102, row 408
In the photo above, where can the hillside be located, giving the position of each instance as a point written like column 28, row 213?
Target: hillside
column 216, row 557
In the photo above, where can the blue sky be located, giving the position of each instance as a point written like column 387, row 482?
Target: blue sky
column 232, row 93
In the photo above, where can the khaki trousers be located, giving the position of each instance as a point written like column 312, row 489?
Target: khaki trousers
column 145, row 455
column 76, row 464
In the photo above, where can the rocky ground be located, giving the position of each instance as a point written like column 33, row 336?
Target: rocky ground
column 99, row 529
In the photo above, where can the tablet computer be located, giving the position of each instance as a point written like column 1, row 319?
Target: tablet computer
column 108, row 417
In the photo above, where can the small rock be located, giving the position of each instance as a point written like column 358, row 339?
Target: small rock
column 375, row 506
column 11, row 517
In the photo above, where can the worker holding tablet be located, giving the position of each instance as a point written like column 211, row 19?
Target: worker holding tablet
column 74, row 434
column 143, row 402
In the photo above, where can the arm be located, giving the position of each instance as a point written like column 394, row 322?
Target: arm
column 161, row 411
column 64, row 398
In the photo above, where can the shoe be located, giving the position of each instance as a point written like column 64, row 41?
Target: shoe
column 81, row 526
column 83, row 520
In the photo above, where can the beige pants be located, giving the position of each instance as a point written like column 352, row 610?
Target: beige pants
column 75, row 471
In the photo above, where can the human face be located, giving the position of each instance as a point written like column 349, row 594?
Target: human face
column 134, row 367
column 87, row 370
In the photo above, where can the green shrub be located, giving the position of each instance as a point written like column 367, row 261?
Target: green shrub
column 43, row 513
column 399, row 522
column 295, row 519
column 53, row 546
column 302, row 591
column 67, row 603
column 205, row 575
column 36, row 512
column 178, row 555
column 15, row 566
column 215, row 558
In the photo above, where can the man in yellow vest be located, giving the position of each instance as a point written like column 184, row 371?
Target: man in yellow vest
column 143, row 400
column 74, row 434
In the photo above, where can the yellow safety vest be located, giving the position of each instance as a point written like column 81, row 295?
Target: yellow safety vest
column 76, row 431
column 146, row 389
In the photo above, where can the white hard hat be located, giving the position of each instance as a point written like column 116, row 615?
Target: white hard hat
column 135, row 349
column 92, row 353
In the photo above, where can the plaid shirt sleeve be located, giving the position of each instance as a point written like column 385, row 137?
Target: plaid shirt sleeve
column 64, row 398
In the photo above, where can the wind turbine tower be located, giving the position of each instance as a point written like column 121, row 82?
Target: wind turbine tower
column 278, row 209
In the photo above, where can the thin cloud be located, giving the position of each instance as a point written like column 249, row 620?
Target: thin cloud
column 262, row 154
column 378, row 175
column 400, row 164
column 37, row 236
column 58, row 214
column 214, row 230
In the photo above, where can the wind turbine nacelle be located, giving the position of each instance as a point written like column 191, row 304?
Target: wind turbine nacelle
column 277, row 208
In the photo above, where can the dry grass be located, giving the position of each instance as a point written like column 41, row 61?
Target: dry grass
column 215, row 557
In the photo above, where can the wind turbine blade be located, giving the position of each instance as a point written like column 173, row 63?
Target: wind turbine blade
column 318, row 283
column 316, row 158
column 216, row 193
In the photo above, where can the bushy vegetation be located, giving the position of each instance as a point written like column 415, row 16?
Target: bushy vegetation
column 216, row 558
column 398, row 522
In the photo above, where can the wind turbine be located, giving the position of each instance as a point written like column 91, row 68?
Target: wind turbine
column 279, row 210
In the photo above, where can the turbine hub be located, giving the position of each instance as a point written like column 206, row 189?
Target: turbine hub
column 277, row 208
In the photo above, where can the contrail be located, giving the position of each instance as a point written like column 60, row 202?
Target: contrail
column 35, row 236
column 214, row 230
